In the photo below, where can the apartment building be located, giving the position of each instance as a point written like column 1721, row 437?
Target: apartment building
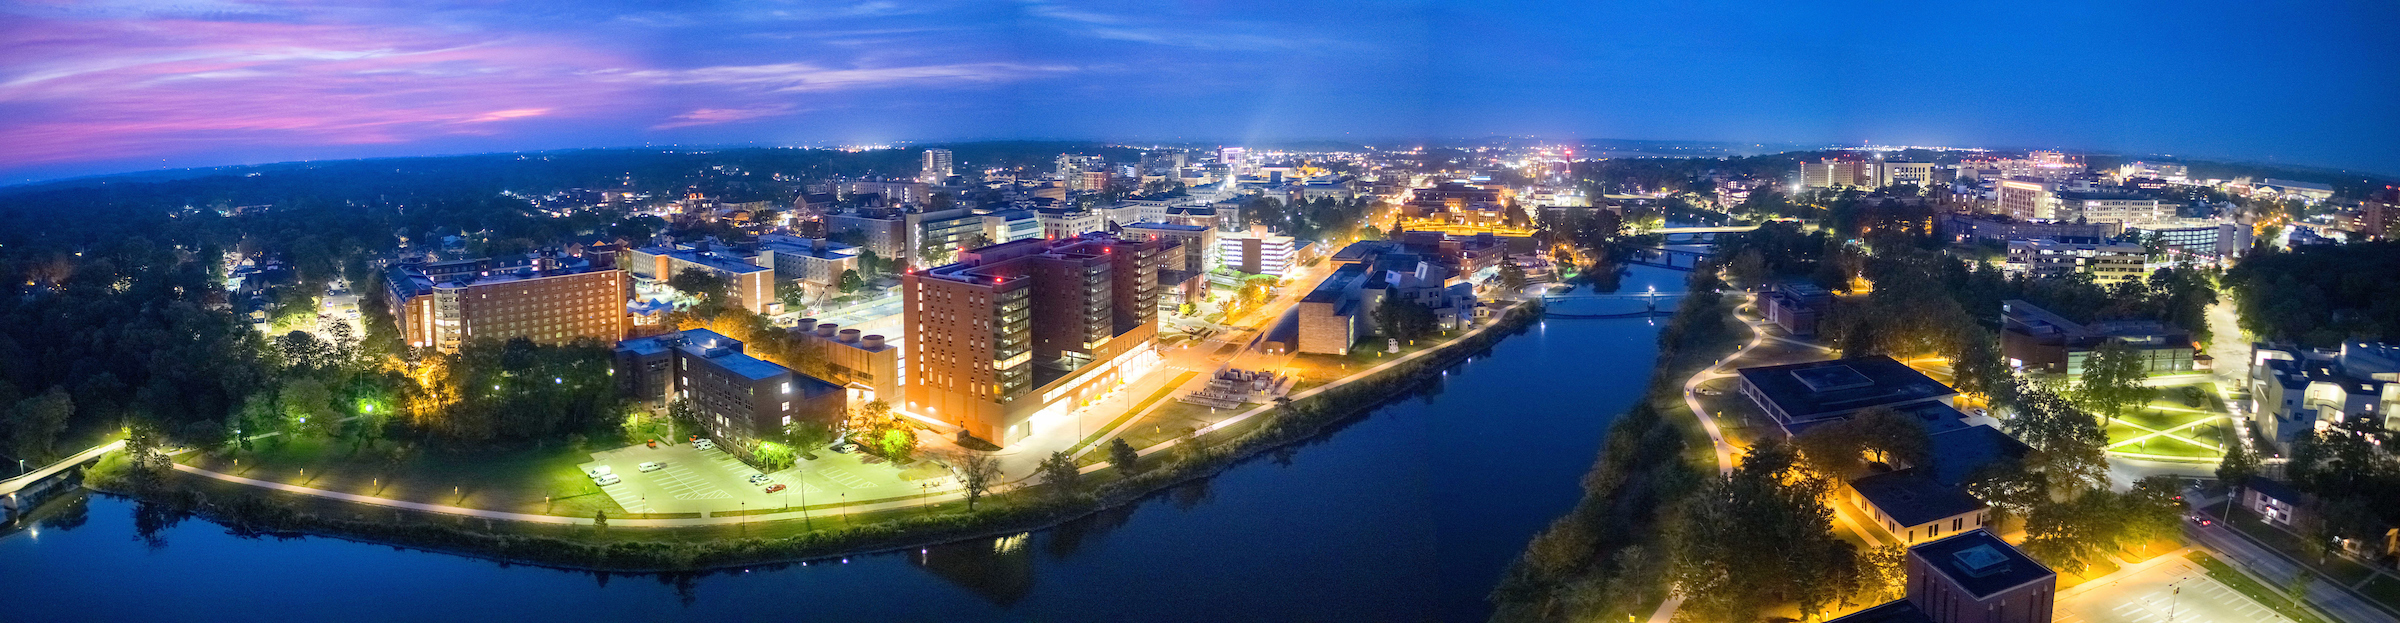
column 2298, row 390
column 750, row 285
column 2096, row 207
column 738, row 398
column 1258, row 253
column 816, row 263
column 2024, row 198
column 1018, row 333
column 544, row 298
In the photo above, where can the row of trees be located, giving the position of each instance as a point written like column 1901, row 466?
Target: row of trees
column 2320, row 295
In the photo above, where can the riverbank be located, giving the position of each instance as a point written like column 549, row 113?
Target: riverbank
column 754, row 542
column 1607, row 556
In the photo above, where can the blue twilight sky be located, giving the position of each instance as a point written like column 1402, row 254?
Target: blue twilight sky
column 98, row 86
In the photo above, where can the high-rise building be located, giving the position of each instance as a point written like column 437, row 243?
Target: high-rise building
column 1234, row 158
column 2028, row 198
column 738, row 398
column 2379, row 216
column 548, row 300
column 1016, row 334
column 937, row 166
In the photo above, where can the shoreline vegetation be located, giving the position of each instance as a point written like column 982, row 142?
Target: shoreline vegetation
column 251, row 512
column 1608, row 557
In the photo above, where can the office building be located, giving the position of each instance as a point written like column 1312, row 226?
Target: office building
column 2027, row 198
column 1258, row 253
column 750, row 285
column 1010, row 226
column 2107, row 262
column 543, row 298
column 2200, row 241
column 1069, row 222
column 2379, row 215
column 1341, row 309
column 1017, row 334
column 936, row 167
column 884, row 231
column 2034, row 339
column 739, row 399
column 1963, row 227
column 2094, row 207
column 1460, row 201
column 2294, row 391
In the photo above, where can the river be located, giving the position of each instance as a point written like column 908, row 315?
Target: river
column 1409, row 513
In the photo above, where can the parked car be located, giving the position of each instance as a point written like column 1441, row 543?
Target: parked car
column 652, row 466
column 1979, row 412
column 758, row 479
column 843, row 447
column 605, row 479
column 774, row 487
column 704, row 444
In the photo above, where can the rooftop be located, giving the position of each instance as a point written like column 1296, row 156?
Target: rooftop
column 710, row 260
column 1817, row 388
column 1981, row 563
column 1912, row 498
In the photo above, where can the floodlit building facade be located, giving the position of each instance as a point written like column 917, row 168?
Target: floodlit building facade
column 545, row 299
column 1017, row 334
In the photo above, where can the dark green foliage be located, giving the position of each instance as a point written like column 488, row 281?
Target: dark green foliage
column 1122, row 456
column 2321, row 295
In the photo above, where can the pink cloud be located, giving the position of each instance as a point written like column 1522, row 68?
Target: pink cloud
column 713, row 116
column 84, row 90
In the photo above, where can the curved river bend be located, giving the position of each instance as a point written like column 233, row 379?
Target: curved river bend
column 1408, row 513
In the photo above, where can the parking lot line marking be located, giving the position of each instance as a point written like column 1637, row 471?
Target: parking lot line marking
column 845, row 478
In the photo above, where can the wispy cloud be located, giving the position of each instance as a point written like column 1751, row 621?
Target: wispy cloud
column 714, row 116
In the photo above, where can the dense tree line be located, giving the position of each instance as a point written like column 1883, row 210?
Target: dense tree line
column 2320, row 295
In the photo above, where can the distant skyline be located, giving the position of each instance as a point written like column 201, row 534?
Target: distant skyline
column 122, row 85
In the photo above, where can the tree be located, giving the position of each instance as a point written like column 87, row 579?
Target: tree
column 1060, row 473
column 2068, row 444
column 308, row 405
column 772, row 456
column 2238, row 466
column 897, row 443
column 35, row 423
column 600, row 520
column 1715, row 564
column 2112, row 380
column 1894, row 437
column 851, row 282
column 1512, row 276
column 1749, row 268
column 977, row 472
column 1123, row 457
column 701, row 284
column 1404, row 319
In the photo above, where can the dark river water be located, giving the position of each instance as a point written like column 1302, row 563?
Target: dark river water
column 1408, row 513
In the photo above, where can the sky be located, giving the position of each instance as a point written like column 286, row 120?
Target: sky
column 103, row 86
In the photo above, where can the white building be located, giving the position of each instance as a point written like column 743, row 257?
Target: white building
column 937, row 166
column 1258, row 254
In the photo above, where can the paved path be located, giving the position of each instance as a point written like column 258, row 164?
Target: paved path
column 12, row 485
column 814, row 514
column 1691, row 394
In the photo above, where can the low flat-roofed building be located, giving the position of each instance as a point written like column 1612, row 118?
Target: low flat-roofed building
column 2032, row 338
column 1334, row 316
column 1972, row 577
column 1804, row 392
column 1923, row 502
column 1962, row 227
column 1975, row 577
column 1795, row 306
column 864, row 363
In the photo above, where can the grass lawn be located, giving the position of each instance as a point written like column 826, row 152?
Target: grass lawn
column 512, row 480
column 2343, row 570
column 2221, row 572
column 2384, row 589
column 1162, row 393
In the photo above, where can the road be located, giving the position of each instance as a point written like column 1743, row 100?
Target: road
column 2276, row 570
